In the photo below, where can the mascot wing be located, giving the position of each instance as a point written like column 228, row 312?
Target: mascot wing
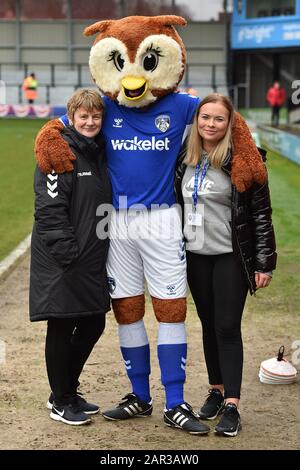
column 52, row 152
column 247, row 164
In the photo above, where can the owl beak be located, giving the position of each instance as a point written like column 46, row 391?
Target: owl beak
column 134, row 88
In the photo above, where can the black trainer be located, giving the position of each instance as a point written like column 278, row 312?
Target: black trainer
column 82, row 404
column 213, row 405
column 130, row 407
column 69, row 414
column 230, row 423
column 183, row 417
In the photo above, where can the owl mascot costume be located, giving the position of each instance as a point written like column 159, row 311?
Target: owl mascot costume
column 137, row 63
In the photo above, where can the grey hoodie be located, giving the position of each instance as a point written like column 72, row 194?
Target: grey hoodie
column 213, row 236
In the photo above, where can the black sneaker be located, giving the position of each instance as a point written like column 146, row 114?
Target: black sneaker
column 130, row 407
column 230, row 423
column 183, row 417
column 69, row 414
column 82, row 404
column 214, row 404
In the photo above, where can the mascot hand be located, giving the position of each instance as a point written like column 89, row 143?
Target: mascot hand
column 247, row 164
column 51, row 151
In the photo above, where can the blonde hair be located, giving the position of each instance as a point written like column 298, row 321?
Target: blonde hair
column 86, row 98
column 195, row 144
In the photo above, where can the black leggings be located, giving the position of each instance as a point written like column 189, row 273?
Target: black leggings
column 69, row 343
column 219, row 290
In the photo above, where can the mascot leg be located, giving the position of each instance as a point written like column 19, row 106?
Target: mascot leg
column 171, row 347
column 126, row 280
column 134, row 343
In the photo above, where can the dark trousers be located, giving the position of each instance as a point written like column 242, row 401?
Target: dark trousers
column 275, row 114
column 69, row 343
column 219, row 290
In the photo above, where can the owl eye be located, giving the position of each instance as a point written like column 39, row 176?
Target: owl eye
column 150, row 60
column 117, row 59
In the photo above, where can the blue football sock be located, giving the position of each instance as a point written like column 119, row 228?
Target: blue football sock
column 172, row 350
column 136, row 354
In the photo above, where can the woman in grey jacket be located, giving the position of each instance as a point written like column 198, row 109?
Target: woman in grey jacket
column 68, row 283
column 230, row 247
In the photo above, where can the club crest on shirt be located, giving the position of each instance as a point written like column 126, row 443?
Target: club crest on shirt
column 162, row 122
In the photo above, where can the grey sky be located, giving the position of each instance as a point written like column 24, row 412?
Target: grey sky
column 204, row 10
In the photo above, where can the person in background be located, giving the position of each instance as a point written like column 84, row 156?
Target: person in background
column 276, row 97
column 191, row 91
column 230, row 248
column 68, row 280
column 30, row 85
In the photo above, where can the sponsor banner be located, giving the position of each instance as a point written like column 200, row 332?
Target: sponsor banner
column 22, row 110
column 267, row 33
column 42, row 111
column 36, row 110
column 4, row 110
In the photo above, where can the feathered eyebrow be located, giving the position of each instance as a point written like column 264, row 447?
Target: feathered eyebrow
column 155, row 49
column 112, row 55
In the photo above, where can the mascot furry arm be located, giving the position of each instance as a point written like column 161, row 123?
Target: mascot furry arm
column 53, row 153
column 125, row 41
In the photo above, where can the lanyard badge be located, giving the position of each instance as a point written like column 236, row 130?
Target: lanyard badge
column 203, row 174
column 195, row 218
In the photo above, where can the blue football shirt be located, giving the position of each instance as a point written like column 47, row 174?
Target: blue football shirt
column 142, row 145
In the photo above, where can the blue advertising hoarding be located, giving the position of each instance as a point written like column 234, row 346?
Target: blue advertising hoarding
column 266, row 32
column 284, row 143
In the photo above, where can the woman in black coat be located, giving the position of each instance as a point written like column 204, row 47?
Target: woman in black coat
column 230, row 247
column 68, row 283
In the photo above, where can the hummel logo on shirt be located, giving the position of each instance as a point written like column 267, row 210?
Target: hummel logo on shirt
column 118, row 122
column 52, row 184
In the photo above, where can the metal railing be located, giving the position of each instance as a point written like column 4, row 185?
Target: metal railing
column 235, row 93
column 51, row 68
column 208, row 76
column 212, row 80
column 47, row 88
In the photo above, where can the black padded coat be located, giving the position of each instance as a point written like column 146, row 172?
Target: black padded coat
column 68, row 260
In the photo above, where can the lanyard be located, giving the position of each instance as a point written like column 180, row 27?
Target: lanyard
column 203, row 174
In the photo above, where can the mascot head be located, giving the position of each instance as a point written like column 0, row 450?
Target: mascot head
column 138, row 59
